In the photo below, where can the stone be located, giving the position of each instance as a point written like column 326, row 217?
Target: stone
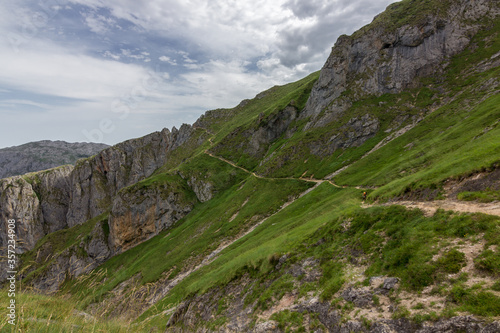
column 139, row 214
column 361, row 297
column 267, row 326
column 390, row 283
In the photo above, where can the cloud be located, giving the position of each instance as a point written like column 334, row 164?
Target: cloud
column 108, row 54
column 98, row 23
column 45, row 68
column 168, row 60
column 294, row 31
column 10, row 103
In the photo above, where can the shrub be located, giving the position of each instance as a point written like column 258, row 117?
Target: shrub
column 488, row 261
column 452, row 261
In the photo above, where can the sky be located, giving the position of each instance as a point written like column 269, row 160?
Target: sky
column 111, row 70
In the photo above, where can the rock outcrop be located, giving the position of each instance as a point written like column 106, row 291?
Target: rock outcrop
column 255, row 139
column 87, row 253
column 38, row 202
column 194, row 313
column 140, row 213
column 382, row 60
column 19, row 201
column 353, row 134
column 96, row 180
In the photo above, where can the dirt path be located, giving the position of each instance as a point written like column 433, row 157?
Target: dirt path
column 430, row 207
column 311, row 180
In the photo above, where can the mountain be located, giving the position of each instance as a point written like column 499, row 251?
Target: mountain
column 362, row 198
column 42, row 155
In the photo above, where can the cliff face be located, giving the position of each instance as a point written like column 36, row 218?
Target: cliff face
column 86, row 252
column 96, row 180
column 19, row 201
column 42, row 155
column 39, row 202
column 140, row 213
column 381, row 60
column 48, row 201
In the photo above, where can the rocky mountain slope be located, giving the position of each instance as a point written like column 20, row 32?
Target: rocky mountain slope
column 42, row 155
column 252, row 219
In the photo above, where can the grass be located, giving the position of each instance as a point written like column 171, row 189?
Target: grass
column 289, row 321
column 488, row 261
column 401, row 242
column 481, row 303
column 271, row 100
column 459, row 138
column 452, row 261
column 232, row 140
column 278, row 234
column 296, row 230
column 308, row 151
column 485, row 196
column 406, row 12
column 55, row 314
column 462, row 148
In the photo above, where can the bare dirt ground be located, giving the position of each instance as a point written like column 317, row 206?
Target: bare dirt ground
column 430, row 207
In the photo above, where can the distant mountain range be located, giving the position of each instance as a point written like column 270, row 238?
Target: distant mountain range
column 41, row 155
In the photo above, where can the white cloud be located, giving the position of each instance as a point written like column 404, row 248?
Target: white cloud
column 294, row 31
column 111, row 55
column 9, row 103
column 98, row 23
column 45, row 68
column 168, row 60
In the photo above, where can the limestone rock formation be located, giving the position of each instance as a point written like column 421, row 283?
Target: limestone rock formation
column 96, row 180
column 19, row 201
column 139, row 214
column 261, row 133
column 38, row 202
column 47, row 201
column 82, row 257
column 382, row 60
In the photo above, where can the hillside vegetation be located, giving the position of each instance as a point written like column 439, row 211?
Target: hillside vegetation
column 255, row 219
